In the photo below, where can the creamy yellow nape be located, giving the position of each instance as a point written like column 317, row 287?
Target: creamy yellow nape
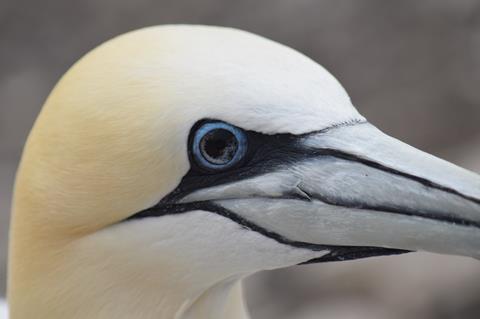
column 111, row 140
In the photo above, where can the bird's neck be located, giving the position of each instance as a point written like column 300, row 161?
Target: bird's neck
column 76, row 288
column 224, row 300
column 94, row 277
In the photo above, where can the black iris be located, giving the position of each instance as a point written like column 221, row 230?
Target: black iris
column 219, row 146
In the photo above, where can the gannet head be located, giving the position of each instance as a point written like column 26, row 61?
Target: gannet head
column 183, row 156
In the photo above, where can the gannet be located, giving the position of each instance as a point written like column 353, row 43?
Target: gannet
column 172, row 162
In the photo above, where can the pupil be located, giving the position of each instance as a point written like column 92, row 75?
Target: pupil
column 219, row 146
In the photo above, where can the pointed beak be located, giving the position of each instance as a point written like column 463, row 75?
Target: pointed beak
column 356, row 186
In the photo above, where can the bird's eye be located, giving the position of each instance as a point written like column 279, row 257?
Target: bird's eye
column 218, row 146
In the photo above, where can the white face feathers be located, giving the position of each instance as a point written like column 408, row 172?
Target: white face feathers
column 186, row 156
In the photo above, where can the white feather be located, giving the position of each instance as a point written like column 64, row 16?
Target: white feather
column 3, row 309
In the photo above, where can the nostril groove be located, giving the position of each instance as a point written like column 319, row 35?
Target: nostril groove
column 300, row 193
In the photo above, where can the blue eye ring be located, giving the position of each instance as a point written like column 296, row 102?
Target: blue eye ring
column 218, row 146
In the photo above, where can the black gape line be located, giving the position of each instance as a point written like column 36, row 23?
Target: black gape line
column 335, row 253
column 264, row 154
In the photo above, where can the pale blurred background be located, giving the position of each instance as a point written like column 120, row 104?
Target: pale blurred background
column 412, row 67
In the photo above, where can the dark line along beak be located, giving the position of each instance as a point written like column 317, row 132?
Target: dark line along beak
column 355, row 186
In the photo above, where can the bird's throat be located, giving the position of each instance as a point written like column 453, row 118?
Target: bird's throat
column 223, row 300
column 92, row 292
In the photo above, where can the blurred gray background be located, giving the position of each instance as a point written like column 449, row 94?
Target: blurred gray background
column 412, row 67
